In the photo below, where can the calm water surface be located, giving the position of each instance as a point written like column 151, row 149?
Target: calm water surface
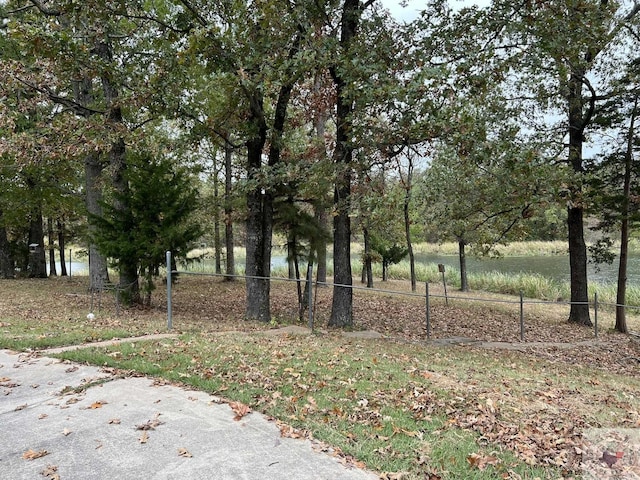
column 555, row 267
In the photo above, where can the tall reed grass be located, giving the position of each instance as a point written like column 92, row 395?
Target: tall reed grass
column 531, row 285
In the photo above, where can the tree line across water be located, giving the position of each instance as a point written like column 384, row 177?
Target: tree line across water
column 145, row 126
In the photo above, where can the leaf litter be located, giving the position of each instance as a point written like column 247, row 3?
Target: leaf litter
column 541, row 423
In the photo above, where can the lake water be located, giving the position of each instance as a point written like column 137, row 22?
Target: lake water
column 555, row 267
column 74, row 268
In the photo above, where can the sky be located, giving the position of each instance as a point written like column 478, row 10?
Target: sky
column 407, row 10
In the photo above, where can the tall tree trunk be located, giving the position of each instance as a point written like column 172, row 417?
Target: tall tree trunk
column 128, row 284
column 230, row 267
column 321, row 244
column 366, row 264
column 320, row 205
column 342, row 305
column 37, row 259
column 61, row 246
column 259, row 221
column 291, row 255
column 217, row 244
column 307, row 286
column 51, row 248
column 407, row 224
column 6, row 259
column 98, row 273
column 462, row 258
column 621, row 294
column 260, row 202
column 577, row 247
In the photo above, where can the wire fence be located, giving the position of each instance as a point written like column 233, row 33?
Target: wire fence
column 428, row 296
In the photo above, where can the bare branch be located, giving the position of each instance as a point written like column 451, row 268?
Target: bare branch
column 72, row 105
column 18, row 10
column 46, row 11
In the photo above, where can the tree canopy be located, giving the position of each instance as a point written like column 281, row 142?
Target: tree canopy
column 479, row 121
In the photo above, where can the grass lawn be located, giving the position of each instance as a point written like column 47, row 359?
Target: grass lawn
column 401, row 406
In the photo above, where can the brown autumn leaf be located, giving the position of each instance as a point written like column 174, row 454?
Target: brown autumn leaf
column 240, row 409
column 33, row 454
column 392, row 475
column 481, row 461
column 183, row 452
column 150, row 424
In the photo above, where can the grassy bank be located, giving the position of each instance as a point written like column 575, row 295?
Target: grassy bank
column 515, row 249
column 531, row 285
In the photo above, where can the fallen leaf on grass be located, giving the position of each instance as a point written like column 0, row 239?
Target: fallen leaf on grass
column 33, row 454
column 240, row 409
column 183, row 452
column 481, row 461
column 392, row 475
column 287, row 431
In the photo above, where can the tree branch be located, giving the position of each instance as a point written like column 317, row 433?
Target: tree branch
column 74, row 106
column 44, row 10
column 18, row 10
column 201, row 20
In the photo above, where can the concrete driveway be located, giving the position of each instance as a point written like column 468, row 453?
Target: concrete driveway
column 74, row 422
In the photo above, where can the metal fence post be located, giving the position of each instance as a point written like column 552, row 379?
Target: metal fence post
column 169, row 312
column 428, row 314
column 521, row 317
column 310, row 304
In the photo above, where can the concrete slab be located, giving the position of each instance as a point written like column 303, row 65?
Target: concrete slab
column 87, row 424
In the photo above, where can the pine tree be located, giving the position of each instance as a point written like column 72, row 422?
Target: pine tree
column 155, row 218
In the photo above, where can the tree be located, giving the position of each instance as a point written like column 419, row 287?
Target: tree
column 265, row 62
column 484, row 181
column 390, row 253
column 564, row 41
column 152, row 218
column 615, row 180
column 83, row 50
column 342, row 303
